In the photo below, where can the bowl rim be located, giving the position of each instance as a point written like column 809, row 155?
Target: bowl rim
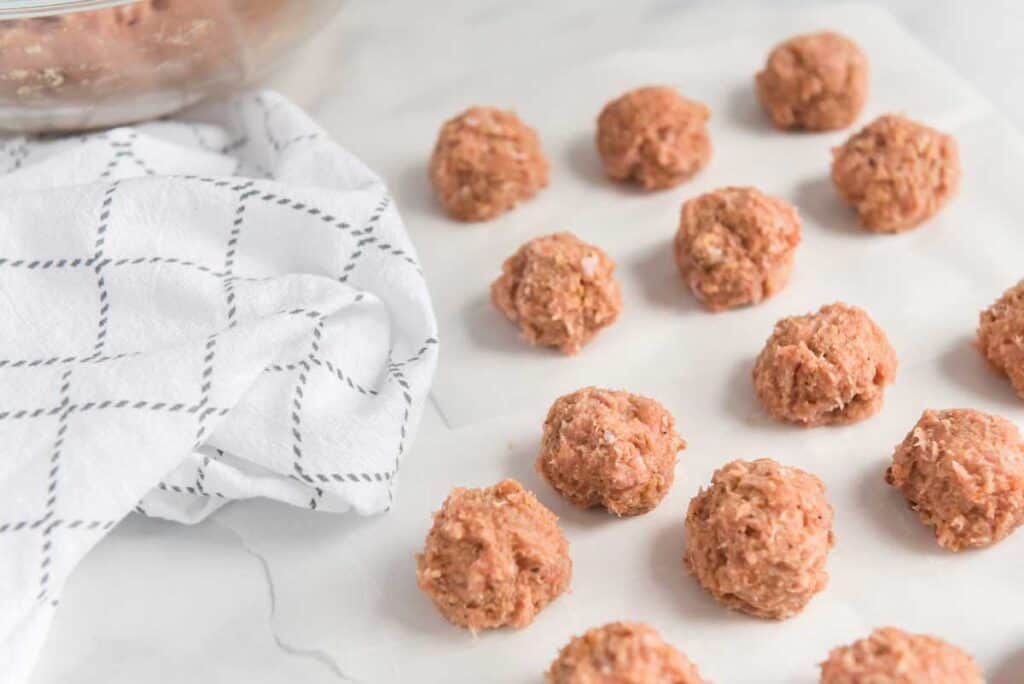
column 25, row 9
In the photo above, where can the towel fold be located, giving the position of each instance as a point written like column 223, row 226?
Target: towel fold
column 220, row 306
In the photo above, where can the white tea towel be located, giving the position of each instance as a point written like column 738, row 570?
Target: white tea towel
column 220, row 306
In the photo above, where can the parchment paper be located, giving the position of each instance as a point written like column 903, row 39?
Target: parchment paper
column 925, row 288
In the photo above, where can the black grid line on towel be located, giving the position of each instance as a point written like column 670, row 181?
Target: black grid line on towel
column 122, row 145
column 365, row 237
column 16, row 150
column 109, row 404
column 75, row 524
column 51, row 487
column 101, row 238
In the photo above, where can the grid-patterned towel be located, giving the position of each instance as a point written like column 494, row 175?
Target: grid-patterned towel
column 194, row 311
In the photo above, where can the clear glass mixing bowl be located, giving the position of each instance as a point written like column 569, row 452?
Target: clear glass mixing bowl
column 78, row 64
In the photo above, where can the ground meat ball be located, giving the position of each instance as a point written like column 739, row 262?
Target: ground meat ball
column 758, row 537
column 735, row 246
column 485, row 162
column 1001, row 335
column 825, row 368
column 817, row 82
column 622, row 653
column 896, row 172
column 892, row 656
column 654, row 137
column 560, row 290
column 494, row 557
column 963, row 472
column 611, row 449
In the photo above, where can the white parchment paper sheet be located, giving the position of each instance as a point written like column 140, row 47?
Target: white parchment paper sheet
column 925, row 288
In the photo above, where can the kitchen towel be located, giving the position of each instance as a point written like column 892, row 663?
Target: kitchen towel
column 219, row 306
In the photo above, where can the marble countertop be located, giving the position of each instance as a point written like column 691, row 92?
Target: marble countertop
column 160, row 603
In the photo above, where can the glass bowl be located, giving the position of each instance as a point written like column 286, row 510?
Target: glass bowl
column 80, row 64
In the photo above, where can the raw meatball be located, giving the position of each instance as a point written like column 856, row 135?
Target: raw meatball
column 1001, row 335
column 485, row 162
column 892, row 656
column 560, row 290
column 611, row 449
column 825, row 368
column 735, row 246
column 817, row 82
column 758, row 537
column 963, row 472
column 654, row 137
column 622, row 653
column 494, row 557
column 896, row 172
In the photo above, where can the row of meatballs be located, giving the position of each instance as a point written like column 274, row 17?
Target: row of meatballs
column 895, row 172
column 757, row 538
column 634, row 653
column 734, row 247
column 828, row 367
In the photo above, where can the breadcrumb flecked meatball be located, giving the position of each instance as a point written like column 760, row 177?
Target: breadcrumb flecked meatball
column 825, row 368
column 654, row 137
column 892, row 656
column 560, row 291
column 963, row 472
column 494, row 557
column 758, row 537
column 815, row 82
column 896, row 173
column 735, row 246
column 486, row 161
column 1001, row 335
column 622, row 653
column 609, row 448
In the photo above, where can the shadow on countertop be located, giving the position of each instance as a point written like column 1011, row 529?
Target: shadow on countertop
column 963, row 364
column 659, row 278
column 1010, row 670
column 817, row 201
column 678, row 586
column 743, row 109
column 891, row 516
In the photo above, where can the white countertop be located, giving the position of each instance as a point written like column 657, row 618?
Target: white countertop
column 162, row 603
